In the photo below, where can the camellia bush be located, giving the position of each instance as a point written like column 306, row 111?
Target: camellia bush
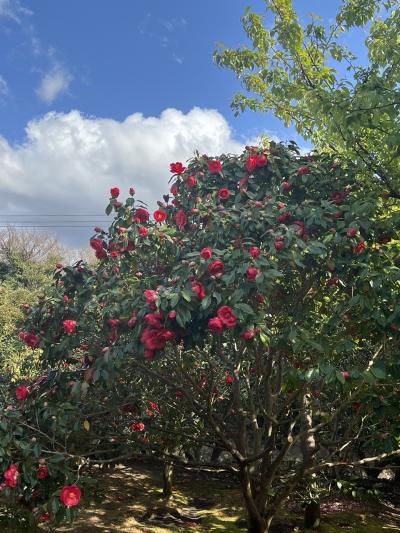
column 255, row 312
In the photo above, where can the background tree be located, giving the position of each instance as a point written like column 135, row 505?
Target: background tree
column 307, row 77
column 27, row 262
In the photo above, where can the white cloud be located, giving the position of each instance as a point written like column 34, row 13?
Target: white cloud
column 68, row 161
column 4, row 90
column 177, row 59
column 12, row 9
column 54, row 83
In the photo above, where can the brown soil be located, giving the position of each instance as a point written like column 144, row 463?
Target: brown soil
column 128, row 499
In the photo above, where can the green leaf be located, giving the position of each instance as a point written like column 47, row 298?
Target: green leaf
column 378, row 372
column 186, row 295
column 174, row 299
column 339, row 377
column 245, row 308
column 206, row 302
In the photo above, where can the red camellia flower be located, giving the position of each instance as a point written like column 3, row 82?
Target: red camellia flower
column 70, row 496
column 30, row 339
column 215, row 325
column 113, row 322
column 252, row 273
column 351, row 232
column 206, row 253
column 285, row 217
column 137, row 426
column 359, row 248
column 303, row 170
column 251, row 163
column 227, row 316
column 11, row 476
column 132, row 321
column 21, row 393
column 242, row 183
column 214, row 166
column 69, row 326
column 337, row 197
column 223, row 194
column 346, row 375
column 248, row 334
column 172, row 314
column 177, row 168
column 159, row 215
column 255, row 252
column 191, row 181
column 216, row 268
column 228, row 379
column 286, row 187
column 156, row 339
column 279, row 243
column 154, row 320
column 174, row 189
column 45, row 517
column 96, row 244
column 198, row 288
column 181, row 219
column 101, row 254
column 301, row 232
column 43, row 472
column 143, row 232
column 141, row 215
column 262, row 160
column 114, row 253
column 151, row 296
column 114, row 192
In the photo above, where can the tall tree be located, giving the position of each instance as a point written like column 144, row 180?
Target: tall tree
column 307, row 77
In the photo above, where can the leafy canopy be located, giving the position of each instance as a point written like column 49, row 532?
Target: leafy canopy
column 307, row 77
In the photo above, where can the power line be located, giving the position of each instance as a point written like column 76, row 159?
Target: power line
column 45, row 221
column 43, row 226
column 52, row 215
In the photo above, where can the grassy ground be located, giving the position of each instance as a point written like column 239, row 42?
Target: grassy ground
column 124, row 495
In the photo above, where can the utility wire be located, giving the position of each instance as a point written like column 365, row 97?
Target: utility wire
column 43, row 226
column 46, row 221
column 51, row 215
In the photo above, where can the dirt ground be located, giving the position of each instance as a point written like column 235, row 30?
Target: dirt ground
column 128, row 498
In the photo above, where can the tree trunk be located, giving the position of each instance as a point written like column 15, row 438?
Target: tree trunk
column 167, row 479
column 258, row 526
column 257, row 519
column 217, row 450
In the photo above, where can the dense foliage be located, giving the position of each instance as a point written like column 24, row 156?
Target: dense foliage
column 257, row 313
column 309, row 78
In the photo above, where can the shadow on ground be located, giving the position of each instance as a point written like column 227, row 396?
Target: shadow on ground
column 124, row 496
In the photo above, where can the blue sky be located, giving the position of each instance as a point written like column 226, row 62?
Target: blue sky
column 126, row 56
column 79, row 80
